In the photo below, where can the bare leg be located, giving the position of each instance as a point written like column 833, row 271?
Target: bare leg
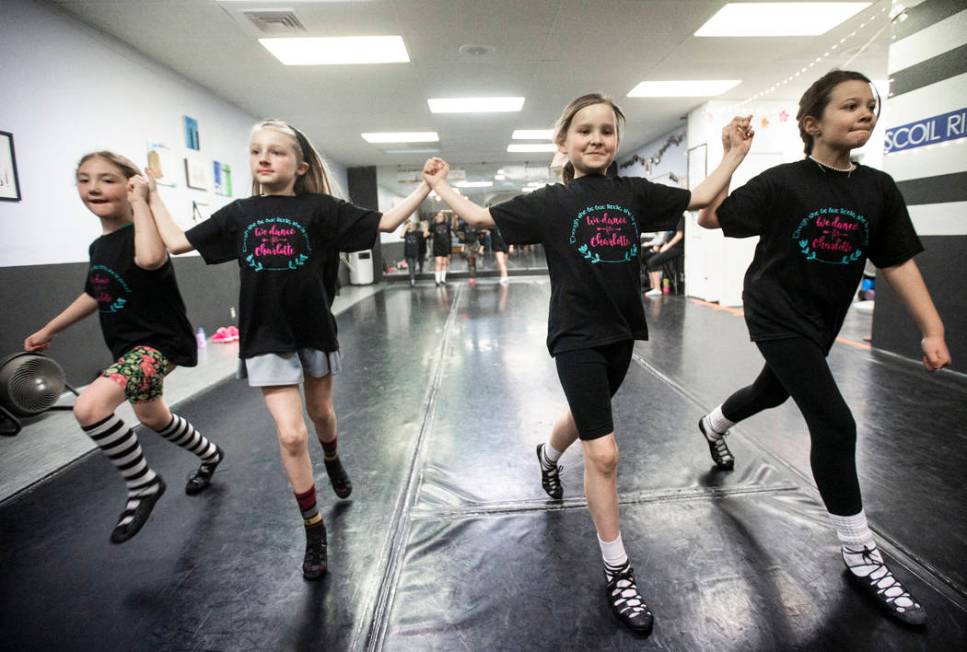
column 600, row 485
column 285, row 405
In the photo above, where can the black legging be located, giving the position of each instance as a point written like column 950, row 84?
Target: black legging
column 656, row 260
column 797, row 367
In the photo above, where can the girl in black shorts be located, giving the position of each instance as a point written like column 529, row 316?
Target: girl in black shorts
column 589, row 228
column 131, row 285
column 441, row 230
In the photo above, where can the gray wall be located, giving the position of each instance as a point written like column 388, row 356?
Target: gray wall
column 31, row 295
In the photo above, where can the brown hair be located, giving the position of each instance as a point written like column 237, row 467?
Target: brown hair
column 567, row 116
column 127, row 166
column 814, row 101
column 317, row 178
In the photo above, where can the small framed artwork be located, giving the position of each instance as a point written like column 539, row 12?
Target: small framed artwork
column 9, row 184
column 192, row 139
column 222, row 178
column 163, row 164
column 697, row 165
column 196, row 174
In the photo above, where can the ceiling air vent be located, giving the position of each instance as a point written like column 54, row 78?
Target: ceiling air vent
column 275, row 22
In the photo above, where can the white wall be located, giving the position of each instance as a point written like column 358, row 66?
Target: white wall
column 69, row 89
column 715, row 266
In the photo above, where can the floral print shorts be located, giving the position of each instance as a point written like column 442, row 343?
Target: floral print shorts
column 141, row 373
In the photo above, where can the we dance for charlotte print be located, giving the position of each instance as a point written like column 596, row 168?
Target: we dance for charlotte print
column 275, row 244
column 109, row 289
column 838, row 236
column 605, row 233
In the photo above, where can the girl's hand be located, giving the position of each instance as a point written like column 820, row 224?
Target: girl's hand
column 152, row 181
column 39, row 341
column 138, row 188
column 435, row 170
column 738, row 134
column 935, row 353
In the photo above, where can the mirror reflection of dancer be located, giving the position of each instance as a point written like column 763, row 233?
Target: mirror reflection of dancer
column 470, row 238
column 412, row 237
column 818, row 220
column 499, row 245
column 441, row 230
column 590, row 229
column 131, row 284
column 281, row 238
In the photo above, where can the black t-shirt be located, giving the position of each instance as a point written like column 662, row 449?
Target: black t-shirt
column 817, row 227
column 590, row 230
column 138, row 307
column 411, row 244
column 282, row 245
column 441, row 235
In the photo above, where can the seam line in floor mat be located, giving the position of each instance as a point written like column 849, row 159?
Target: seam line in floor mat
column 636, row 498
column 371, row 635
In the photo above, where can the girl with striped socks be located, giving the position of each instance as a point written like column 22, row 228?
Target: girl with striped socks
column 131, row 284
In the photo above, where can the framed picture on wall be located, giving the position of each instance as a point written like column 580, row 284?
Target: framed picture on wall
column 9, row 184
column 192, row 138
column 697, row 165
column 196, row 173
column 222, row 178
column 163, row 164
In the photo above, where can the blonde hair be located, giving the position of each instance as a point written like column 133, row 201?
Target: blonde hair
column 127, row 166
column 317, row 178
column 567, row 116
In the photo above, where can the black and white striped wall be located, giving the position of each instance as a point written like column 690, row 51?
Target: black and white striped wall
column 926, row 153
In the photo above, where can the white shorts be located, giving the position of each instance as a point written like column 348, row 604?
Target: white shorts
column 272, row 369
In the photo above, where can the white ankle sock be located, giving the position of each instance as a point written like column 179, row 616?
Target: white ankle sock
column 443, row 276
column 613, row 553
column 436, row 275
column 853, row 531
column 718, row 421
column 551, row 454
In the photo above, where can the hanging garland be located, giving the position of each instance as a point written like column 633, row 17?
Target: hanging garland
column 652, row 162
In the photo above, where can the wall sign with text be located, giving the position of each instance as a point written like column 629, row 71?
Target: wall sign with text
column 928, row 131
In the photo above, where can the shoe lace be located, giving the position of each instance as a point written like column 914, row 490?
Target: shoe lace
column 883, row 580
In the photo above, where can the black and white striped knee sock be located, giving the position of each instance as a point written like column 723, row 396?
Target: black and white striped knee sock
column 121, row 446
column 181, row 432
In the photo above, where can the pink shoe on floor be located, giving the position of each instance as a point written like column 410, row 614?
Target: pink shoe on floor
column 233, row 332
column 222, row 336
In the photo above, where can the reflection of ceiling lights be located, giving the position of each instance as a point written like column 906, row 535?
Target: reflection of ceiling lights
column 779, row 18
column 322, row 51
column 473, row 184
column 400, row 137
column 687, row 88
column 475, row 104
column 533, row 134
column 429, row 150
column 500, row 177
column 535, row 147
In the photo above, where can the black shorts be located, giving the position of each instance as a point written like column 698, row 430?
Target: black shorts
column 440, row 248
column 590, row 377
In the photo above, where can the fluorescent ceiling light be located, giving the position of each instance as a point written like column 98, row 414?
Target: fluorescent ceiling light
column 779, row 18
column 687, row 88
column 533, row 134
column 412, row 151
column 322, row 51
column 401, row 137
column 535, row 147
column 473, row 184
column 475, row 104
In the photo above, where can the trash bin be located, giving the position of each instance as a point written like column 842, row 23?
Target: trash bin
column 361, row 267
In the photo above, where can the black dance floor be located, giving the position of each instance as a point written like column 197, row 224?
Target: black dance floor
column 449, row 543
